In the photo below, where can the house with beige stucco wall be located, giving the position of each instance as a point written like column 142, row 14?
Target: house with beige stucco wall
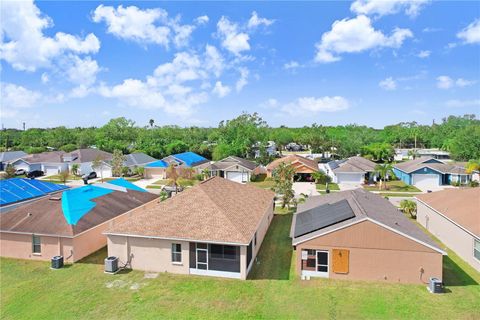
column 358, row 235
column 453, row 216
column 69, row 223
column 213, row 229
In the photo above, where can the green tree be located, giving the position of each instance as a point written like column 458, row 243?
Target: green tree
column 379, row 151
column 283, row 183
column 139, row 171
column 9, row 171
column 75, row 168
column 173, row 176
column 117, row 163
column 409, row 207
column 472, row 165
column 63, row 176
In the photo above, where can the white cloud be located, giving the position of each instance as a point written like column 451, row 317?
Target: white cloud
column 220, row 90
column 271, row 103
column 202, row 20
column 145, row 26
column 82, row 71
column 464, row 83
column 386, row 7
column 471, row 33
column 256, row 21
column 243, row 80
column 444, row 82
column 291, row 65
column 14, row 97
column 424, row 54
column 28, row 47
column 214, row 60
column 388, row 84
column 312, row 104
column 429, row 30
column 44, row 78
column 356, row 35
column 232, row 39
column 462, row 103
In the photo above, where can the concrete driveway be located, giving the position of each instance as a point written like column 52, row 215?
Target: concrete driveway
column 307, row 188
column 348, row 186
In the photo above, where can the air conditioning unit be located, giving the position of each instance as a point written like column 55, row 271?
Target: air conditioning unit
column 435, row 285
column 111, row 264
column 57, row 262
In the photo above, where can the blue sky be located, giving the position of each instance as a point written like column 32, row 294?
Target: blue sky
column 196, row 63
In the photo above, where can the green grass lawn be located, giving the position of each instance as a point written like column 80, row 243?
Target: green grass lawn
column 403, row 195
column 162, row 182
column 265, row 184
column 394, row 185
column 131, row 179
column 30, row 290
column 331, row 186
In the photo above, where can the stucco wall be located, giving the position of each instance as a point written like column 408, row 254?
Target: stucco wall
column 377, row 254
column 448, row 232
column 158, row 172
column 19, row 246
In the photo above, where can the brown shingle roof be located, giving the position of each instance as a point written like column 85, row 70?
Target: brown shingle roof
column 364, row 204
column 293, row 158
column 460, row 205
column 52, row 157
column 419, row 163
column 356, row 164
column 216, row 210
column 89, row 155
column 45, row 216
column 232, row 161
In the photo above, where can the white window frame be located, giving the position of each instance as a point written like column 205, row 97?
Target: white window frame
column 176, row 253
column 39, row 245
column 476, row 243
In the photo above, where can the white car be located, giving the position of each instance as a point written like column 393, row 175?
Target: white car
column 19, row 172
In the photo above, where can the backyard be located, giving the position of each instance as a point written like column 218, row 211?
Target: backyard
column 30, row 290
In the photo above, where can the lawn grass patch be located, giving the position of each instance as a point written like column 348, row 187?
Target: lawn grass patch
column 162, row 182
column 394, row 185
column 331, row 186
column 402, row 195
column 31, row 290
column 265, row 184
column 153, row 186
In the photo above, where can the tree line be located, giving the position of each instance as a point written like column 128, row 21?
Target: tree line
column 243, row 135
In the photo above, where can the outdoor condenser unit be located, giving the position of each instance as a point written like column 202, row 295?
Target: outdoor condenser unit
column 111, row 264
column 435, row 285
column 57, row 262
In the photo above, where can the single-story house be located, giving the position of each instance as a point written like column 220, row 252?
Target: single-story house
column 70, row 223
column 358, row 235
column 354, row 170
column 185, row 160
column 19, row 190
column 85, row 158
column 9, row 157
column 434, row 153
column 427, row 172
column 453, row 216
column 303, row 167
column 215, row 228
column 233, row 168
column 50, row 163
column 137, row 159
column 270, row 149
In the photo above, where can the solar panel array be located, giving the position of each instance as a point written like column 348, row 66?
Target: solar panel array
column 321, row 217
column 20, row 189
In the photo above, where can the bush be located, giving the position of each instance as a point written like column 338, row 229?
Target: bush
column 268, row 179
column 199, row 177
column 186, row 182
column 473, row 184
column 258, row 177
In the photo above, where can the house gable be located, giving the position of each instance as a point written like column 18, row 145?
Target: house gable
column 426, row 170
column 367, row 235
column 432, row 161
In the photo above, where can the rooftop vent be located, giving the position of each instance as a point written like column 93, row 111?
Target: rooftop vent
column 55, row 198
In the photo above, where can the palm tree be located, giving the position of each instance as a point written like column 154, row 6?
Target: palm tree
column 412, row 154
column 173, row 175
column 410, row 207
column 206, row 173
column 75, row 168
column 383, row 170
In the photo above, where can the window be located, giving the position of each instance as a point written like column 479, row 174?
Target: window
column 223, row 252
column 36, row 246
column 176, row 252
column 476, row 249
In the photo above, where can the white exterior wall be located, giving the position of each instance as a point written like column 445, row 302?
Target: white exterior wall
column 349, row 177
column 452, row 235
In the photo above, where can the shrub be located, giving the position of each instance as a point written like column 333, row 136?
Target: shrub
column 199, row 177
column 473, row 184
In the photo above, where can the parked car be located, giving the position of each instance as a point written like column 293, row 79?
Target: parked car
column 172, row 188
column 19, row 172
column 35, row 173
column 91, row 175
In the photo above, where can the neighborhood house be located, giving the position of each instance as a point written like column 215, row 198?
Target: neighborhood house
column 9, row 157
column 453, row 216
column 359, row 235
column 70, row 223
column 427, row 172
column 354, row 170
column 183, row 161
column 303, row 167
column 233, row 168
column 214, row 229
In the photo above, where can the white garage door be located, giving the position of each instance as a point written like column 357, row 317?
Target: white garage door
column 350, row 178
column 237, row 176
column 425, row 180
column 104, row 172
column 51, row 170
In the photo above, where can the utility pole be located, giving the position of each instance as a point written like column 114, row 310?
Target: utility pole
column 24, row 126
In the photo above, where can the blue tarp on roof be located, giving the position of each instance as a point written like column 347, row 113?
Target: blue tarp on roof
column 189, row 158
column 126, row 184
column 157, row 164
column 77, row 202
column 20, row 189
